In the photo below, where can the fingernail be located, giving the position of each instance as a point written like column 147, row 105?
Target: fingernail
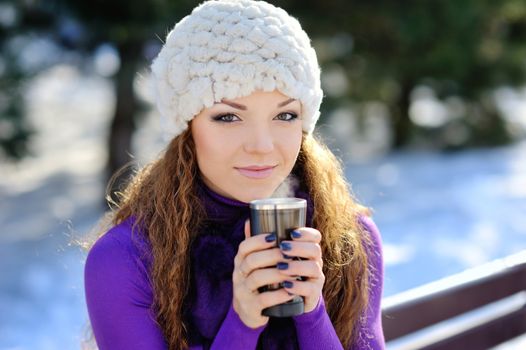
column 285, row 246
column 270, row 238
column 282, row 265
column 295, row 234
column 287, row 284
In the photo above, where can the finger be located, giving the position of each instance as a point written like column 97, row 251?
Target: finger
column 247, row 228
column 303, row 288
column 250, row 246
column 260, row 259
column 263, row 277
column 253, row 244
column 306, row 234
column 305, row 268
column 272, row 298
column 307, row 250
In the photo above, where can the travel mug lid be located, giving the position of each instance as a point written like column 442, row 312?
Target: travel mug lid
column 278, row 203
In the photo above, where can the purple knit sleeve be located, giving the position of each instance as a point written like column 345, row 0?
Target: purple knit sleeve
column 370, row 333
column 118, row 295
column 315, row 330
column 234, row 334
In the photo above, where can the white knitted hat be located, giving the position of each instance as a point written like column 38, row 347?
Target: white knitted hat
column 228, row 49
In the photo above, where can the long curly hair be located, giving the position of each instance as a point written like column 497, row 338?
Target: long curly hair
column 162, row 197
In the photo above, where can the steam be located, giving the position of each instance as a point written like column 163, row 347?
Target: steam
column 286, row 188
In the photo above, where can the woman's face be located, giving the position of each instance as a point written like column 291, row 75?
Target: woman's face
column 247, row 146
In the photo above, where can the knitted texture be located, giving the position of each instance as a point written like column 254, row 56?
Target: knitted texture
column 228, row 49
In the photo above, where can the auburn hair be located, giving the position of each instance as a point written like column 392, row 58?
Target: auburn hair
column 162, row 197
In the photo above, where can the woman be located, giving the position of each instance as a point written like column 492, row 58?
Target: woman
column 238, row 87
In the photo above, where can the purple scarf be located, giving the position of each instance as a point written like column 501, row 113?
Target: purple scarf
column 212, row 255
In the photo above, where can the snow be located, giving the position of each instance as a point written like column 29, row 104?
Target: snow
column 47, row 202
column 438, row 213
column 442, row 213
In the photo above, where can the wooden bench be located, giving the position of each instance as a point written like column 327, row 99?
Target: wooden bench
column 476, row 309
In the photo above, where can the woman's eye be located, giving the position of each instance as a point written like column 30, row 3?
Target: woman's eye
column 226, row 118
column 287, row 116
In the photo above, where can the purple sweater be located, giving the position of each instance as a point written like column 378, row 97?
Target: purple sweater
column 119, row 295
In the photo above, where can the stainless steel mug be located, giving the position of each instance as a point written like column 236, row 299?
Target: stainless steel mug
column 279, row 216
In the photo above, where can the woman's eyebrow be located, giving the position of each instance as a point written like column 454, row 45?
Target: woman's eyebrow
column 244, row 108
column 286, row 102
column 233, row 104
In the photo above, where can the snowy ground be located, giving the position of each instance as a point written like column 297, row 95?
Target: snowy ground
column 438, row 214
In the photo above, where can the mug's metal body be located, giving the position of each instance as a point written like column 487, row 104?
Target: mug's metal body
column 279, row 216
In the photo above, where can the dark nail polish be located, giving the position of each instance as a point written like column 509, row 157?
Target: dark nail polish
column 285, row 246
column 285, row 256
column 282, row 265
column 295, row 234
column 287, row 284
column 270, row 238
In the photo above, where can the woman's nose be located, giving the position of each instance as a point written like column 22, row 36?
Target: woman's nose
column 259, row 140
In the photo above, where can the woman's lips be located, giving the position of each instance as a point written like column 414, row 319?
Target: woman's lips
column 256, row 172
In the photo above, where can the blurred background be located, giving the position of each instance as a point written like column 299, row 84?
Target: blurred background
column 425, row 104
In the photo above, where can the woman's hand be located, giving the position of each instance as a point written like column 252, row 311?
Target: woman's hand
column 306, row 245
column 254, row 267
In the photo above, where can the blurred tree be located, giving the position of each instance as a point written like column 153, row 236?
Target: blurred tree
column 132, row 26
column 384, row 48
column 17, row 21
column 458, row 48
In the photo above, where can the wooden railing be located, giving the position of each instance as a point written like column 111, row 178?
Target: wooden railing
column 476, row 309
